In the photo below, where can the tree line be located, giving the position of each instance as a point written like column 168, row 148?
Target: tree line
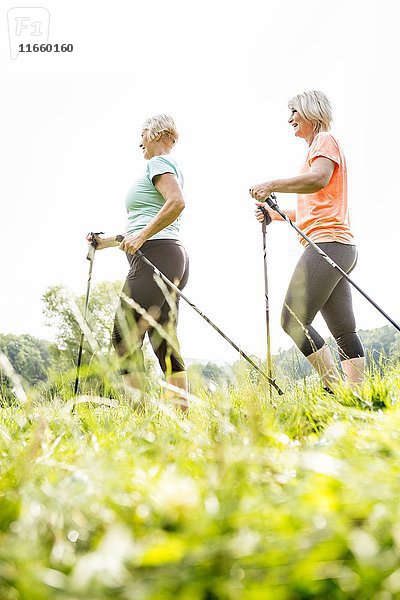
column 35, row 358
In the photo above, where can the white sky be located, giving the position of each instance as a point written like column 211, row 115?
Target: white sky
column 70, row 127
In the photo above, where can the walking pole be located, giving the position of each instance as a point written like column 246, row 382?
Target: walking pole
column 90, row 258
column 267, row 220
column 272, row 203
column 180, row 293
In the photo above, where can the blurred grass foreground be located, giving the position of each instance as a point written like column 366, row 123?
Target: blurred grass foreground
column 246, row 497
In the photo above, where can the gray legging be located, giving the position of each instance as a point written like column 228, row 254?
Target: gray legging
column 317, row 286
column 130, row 327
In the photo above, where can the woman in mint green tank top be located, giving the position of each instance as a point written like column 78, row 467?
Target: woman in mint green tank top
column 154, row 205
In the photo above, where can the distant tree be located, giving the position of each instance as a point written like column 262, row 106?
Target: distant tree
column 215, row 373
column 383, row 341
column 242, row 370
column 209, row 376
column 395, row 348
column 59, row 315
column 29, row 356
column 378, row 343
column 292, row 363
column 100, row 319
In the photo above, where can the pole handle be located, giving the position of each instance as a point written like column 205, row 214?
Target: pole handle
column 267, row 218
column 271, row 201
column 93, row 244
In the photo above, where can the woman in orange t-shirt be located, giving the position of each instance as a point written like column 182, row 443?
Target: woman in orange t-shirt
column 322, row 214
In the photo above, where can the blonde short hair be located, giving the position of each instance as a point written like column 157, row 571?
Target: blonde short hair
column 315, row 107
column 160, row 125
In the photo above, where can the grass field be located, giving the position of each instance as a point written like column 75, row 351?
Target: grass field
column 243, row 498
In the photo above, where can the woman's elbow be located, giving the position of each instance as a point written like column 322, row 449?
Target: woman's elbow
column 180, row 204
column 319, row 183
column 175, row 205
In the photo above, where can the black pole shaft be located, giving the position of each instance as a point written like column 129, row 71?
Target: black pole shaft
column 271, row 201
column 78, row 365
column 90, row 258
column 232, row 343
column 264, row 233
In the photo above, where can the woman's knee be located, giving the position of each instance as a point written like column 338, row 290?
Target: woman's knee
column 291, row 321
column 286, row 320
column 169, row 361
column 349, row 345
column 117, row 336
column 169, row 358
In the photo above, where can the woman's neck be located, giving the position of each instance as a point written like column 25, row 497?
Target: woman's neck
column 311, row 137
column 161, row 149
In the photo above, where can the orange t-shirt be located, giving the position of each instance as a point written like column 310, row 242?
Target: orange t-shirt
column 323, row 216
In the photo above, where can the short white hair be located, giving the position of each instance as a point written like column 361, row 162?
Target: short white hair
column 314, row 106
column 160, row 125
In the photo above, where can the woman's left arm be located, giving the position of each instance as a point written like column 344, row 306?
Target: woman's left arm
column 313, row 181
column 168, row 186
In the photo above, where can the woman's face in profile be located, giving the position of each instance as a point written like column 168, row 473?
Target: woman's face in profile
column 302, row 127
column 147, row 145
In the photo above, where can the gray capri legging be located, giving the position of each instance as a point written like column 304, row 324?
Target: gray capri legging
column 170, row 257
column 317, row 286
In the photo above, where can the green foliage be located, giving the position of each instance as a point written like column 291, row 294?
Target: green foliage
column 209, row 376
column 250, row 496
column 244, row 498
column 59, row 315
column 29, row 356
column 380, row 344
